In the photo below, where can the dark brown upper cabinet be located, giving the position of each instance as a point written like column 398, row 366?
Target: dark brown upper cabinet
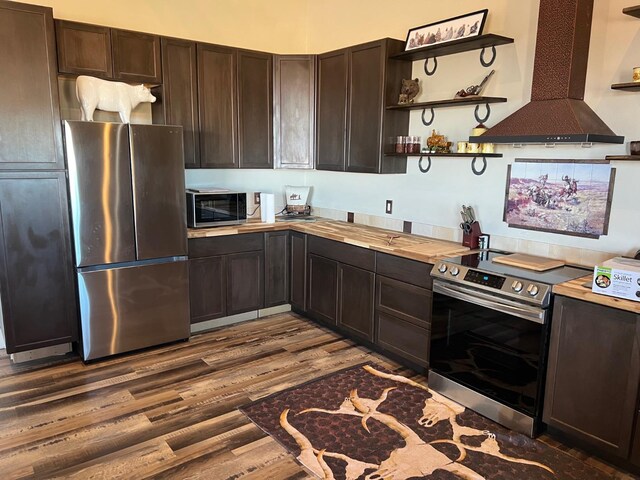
column 354, row 87
column 85, row 49
column 255, row 114
column 331, row 113
column 178, row 103
column 294, row 111
column 217, row 106
column 136, row 56
column 30, row 129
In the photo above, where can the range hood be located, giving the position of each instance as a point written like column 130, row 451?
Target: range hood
column 557, row 112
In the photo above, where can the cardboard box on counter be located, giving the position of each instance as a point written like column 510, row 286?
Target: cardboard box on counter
column 618, row 277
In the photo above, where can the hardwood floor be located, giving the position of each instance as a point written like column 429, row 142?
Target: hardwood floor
column 169, row 412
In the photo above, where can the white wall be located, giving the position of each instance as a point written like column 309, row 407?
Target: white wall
column 435, row 198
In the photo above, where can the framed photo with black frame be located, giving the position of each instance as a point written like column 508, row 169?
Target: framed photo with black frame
column 463, row 26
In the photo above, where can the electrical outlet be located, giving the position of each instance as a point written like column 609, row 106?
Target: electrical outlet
column 256, row 198
column 389, row 207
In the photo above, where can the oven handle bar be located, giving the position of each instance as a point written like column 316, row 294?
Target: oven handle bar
column 476, row 297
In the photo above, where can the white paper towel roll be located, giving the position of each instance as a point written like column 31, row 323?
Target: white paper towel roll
column 267, row 207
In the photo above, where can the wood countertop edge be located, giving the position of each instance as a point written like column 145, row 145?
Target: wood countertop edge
column 574, row 289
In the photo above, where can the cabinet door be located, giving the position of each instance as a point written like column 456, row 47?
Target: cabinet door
column 593, row 374
column 207, row 288
column 355, row 301
column 276, row 275
column 136, row 56
column 298, row 292
column 294, row 111
column 217, row 102
column 245, row 284
column 36, row 266
column 30, row 129
column 255, row 103
column 179, row 102
column 366, row 80
column 331, row 110
column 323, row 289
column 84, row 49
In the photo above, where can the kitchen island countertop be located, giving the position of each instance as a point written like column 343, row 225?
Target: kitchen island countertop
column 405, row 245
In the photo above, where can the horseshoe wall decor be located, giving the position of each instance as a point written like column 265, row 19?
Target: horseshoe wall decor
column 488, row 63
column 424, row 121
column 473, row 166
column 426, row 67
column 422, row 169
column 486, row 117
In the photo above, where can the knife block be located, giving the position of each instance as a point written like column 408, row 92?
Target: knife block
column 472, row 240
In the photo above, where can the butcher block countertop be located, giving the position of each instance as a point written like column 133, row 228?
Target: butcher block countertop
column 414, row 247
column 576, row 289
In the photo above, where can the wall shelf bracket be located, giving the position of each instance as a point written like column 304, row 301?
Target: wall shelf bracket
column 424, row 120
column 484, row 166
column 426, row 66
column 488, row 63
column 423, row 169
column 487, row 115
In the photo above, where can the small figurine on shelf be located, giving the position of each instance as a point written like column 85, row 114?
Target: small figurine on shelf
column 438, row 143
column 474, row 90
column 410, row 88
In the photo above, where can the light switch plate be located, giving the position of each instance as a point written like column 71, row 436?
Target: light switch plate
column 388, row 207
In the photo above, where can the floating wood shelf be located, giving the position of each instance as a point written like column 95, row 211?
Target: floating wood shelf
column 632, row 11
column 452, row 102
column 462, row 155
column 629, row 87
column 454, row 46
column 629, row 158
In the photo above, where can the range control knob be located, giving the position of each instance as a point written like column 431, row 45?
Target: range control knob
column 516, row 286
column 454, row 271
column 532, row 290
column 442, row 268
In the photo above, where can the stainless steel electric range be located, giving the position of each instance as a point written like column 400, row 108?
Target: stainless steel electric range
column 489, row 336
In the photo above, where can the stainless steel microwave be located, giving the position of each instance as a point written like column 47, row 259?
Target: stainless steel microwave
column 213, row 209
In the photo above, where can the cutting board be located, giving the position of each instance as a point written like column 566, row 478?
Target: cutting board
column 530, row 262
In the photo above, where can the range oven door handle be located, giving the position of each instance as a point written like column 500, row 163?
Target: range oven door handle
column 527, row 312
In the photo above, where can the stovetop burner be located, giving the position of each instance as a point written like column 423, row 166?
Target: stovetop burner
column 478, row 272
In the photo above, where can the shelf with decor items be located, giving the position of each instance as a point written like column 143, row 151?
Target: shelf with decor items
column 474, row 156
column 476, row 100
column 480, row 42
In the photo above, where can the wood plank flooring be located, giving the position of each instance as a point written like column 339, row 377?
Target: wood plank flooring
column 170, row 412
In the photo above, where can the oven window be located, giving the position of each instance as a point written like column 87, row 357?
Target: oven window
column 216, row 208
column 493, row 353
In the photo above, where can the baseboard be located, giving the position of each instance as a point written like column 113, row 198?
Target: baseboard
column 39, row 353
column 241, row 317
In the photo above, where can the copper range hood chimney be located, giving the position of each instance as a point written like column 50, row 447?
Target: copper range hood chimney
column 557, row 112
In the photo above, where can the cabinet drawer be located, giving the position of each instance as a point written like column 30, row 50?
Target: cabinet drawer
column 343, row 253
column 206, row 247
column 405, row 270
column 403, row 338
column 411, row 303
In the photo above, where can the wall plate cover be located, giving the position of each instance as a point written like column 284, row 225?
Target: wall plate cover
column 389, row 206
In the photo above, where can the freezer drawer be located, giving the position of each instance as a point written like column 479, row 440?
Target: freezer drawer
column 133, row 306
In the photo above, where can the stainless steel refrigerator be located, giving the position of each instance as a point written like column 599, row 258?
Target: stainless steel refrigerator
column 126, row 187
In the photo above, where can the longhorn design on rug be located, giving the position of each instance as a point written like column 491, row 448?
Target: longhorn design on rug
column 416, row 458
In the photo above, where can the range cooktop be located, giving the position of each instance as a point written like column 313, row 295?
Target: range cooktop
column 478, row 270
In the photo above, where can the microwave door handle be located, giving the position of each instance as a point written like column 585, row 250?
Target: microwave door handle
column 526, row 312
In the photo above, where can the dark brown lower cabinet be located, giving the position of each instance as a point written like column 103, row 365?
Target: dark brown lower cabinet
column 403, row 338
column 37, row 283
column 593, row 375
column 298, row 277
column 323, row 289
column 245, row 285
column 276, row 268
column 356, row 289
column 207, row 288
column 403, row 320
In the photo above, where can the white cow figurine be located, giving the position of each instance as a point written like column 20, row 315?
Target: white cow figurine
column 118, row 97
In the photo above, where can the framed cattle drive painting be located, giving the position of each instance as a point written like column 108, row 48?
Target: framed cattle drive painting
column 572, row 197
